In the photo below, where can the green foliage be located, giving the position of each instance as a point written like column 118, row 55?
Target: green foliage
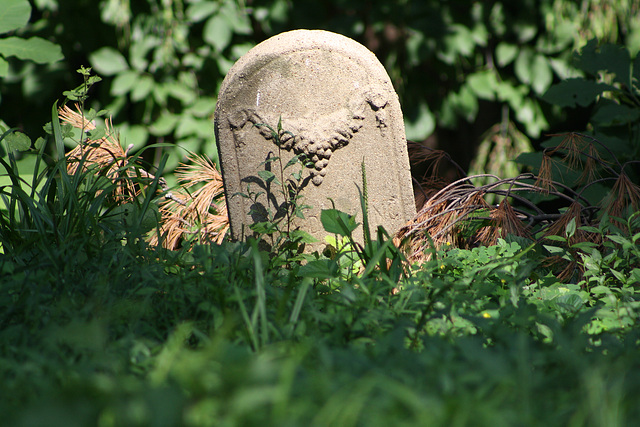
column 460, row 70
column 14, row 16
column 277, row 204
column 136, row 335
column 611, row 86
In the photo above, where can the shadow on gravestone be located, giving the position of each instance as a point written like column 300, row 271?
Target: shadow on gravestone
column 326, row 102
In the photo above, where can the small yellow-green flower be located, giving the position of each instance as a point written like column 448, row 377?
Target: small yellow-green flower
column 486, row 315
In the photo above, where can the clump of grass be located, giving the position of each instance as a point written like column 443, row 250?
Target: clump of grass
column 186, row 212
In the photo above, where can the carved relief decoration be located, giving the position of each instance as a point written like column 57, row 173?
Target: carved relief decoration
column 317, row 138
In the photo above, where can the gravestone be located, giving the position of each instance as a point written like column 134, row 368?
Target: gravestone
column 337, row 109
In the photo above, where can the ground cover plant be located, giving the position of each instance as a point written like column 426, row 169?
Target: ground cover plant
column 102, row 325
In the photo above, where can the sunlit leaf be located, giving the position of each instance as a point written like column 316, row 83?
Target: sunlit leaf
column 35, row 49
column 108, row 61
column 338, row 222
column 14, row 14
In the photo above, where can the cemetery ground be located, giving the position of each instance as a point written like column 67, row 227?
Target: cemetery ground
column 101, row 328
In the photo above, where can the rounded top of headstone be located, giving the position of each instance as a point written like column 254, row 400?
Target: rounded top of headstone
column 300, row 41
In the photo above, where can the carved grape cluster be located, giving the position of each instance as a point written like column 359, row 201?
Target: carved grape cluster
column 318, row 147
column 318, row 138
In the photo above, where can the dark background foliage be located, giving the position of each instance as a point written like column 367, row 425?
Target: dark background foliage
column 463, row 69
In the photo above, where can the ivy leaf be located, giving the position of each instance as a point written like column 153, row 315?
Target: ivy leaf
column 611, row 58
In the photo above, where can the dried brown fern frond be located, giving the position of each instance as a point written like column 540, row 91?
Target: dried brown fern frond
column 504, row 221
column 572, row 146
column 544, row 180
column 106, row 154
column 590, row 171
column 624, row 194
column 573, row 213
column 420, row 153
column 440, row 220
column 202, row 213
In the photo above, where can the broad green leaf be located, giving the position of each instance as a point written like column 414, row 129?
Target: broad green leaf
column 142, row 88
column 611, row 58
column 39, row 143
column 189, row 125
column 18, row 141
column 483, row 84
column 619, row 239
column 124, row 82
column 514, row 95
column 199, row 11
column 522, row 66
column 506, row 53
column 218, row 32
column 164, row 124
column 202, row 107
column 319, row 269
column 14, row 14
column 135, row 135
column 108, row 61
column 610, row 113
column 35, row 49
column 597, row 290
column 533, row 69
column 636, row 70
column 572, row 301
column 570, row 229
column 268, row 176
column 338, row 222
column 181, row 91
column 541, row 75
column 616, row 60
column 576, row 91
column 618, row 275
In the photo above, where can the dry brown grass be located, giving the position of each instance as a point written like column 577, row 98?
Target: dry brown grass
column 200, row 214
column 187, row 213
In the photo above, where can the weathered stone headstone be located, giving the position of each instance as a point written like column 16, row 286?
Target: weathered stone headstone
column 339, row 107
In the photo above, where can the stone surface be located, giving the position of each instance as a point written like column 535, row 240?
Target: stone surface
column 338, row 106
